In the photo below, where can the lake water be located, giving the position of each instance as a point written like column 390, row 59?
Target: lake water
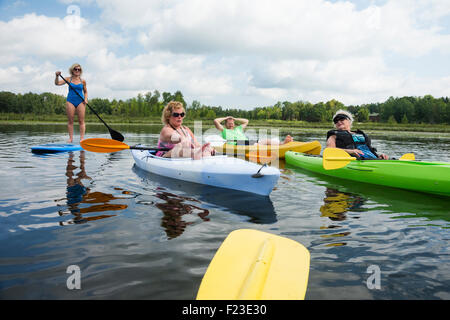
column 140, row 236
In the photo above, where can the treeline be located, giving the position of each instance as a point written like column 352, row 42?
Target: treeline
column 426, row 109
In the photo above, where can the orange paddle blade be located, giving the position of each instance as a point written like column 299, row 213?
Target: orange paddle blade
column 103, row 145
column 255, row 156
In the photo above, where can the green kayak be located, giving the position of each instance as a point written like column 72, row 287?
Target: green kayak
column 428, row 177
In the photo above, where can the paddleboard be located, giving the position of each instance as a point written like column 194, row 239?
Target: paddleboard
column 55, row 147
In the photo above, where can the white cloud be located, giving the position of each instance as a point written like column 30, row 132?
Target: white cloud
column 278, row 29
column 161, row 71
column 236, row 52
column 39, row 36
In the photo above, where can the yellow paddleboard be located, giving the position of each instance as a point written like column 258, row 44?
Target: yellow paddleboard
column 313, row 147
column 255, row 265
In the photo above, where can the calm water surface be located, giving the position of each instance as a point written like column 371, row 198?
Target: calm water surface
column 136, row 235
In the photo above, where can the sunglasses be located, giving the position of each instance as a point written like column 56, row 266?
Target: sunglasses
column 76, row 69
column 176, row 114
column 339, row 118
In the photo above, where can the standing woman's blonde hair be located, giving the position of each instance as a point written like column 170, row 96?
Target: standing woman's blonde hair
column 73, row 66
column 168, row 109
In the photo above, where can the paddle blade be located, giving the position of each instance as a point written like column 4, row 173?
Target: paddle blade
column 255, row 156
column 116, row 135
column 103, row 145
column 408, row 157
column 254, row 265
column 335, row 158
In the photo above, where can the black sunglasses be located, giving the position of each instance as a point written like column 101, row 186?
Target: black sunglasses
column 340, row 117
column 176, row 114
column 76, row 69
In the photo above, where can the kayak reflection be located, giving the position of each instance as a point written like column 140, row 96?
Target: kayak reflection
column 402, row 203
column 258, row 208
column 77, row 194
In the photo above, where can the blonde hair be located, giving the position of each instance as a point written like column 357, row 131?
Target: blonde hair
column 344, row 112
column 73, row 66
column 168, row 109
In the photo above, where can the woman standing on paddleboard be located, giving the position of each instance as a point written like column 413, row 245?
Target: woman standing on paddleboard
column 76, row 103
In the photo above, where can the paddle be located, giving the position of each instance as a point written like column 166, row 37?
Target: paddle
column 114, row 134
column 108, row 145
column 255, row 265
column 261, row 158
column 408, row 157
column 335, row 158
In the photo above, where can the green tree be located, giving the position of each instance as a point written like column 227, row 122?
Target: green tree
column 362, row 114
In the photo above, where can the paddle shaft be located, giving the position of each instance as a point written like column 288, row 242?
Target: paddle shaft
column 149, row 148
column 114, row 134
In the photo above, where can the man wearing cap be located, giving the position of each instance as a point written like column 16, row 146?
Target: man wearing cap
column 354, row 142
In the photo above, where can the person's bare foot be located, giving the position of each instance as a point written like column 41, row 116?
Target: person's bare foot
column 200, row 152
column 288, row 139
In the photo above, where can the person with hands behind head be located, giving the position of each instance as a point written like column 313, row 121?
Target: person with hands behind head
column 353, row 142
column 231, row 132
column 178, row 138
column 235, row 134
column 75, row 104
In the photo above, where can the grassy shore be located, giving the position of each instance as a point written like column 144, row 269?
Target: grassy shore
column 294, row 126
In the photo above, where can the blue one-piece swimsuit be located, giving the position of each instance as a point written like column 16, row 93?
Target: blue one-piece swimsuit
column 72, row 97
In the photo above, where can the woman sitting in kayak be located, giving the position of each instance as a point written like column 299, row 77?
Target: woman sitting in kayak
column 354, row 142
column 234, row 134
column 179, row 138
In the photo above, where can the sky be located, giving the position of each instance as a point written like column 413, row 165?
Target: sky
column 234, row 53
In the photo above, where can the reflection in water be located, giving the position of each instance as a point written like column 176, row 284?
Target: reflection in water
column 174, row 208
column 402, row 203
column 336, row 204
column 78, row 194
column 258, row 208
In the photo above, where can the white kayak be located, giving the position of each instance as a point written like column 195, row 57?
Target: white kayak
column 219, row 171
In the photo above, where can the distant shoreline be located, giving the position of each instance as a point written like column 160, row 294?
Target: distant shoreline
column 374, row 128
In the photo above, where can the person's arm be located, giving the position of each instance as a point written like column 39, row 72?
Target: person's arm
column 85, row 92
column 169, row 135
column 196, row 144
column 243, row 122
column 331, row 143
column 57, row 81
column 217, row 123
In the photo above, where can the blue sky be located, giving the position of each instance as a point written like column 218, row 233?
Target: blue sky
column 234, row 53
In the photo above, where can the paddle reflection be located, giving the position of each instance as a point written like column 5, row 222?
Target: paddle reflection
column 337, row 203
column 77, row 195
